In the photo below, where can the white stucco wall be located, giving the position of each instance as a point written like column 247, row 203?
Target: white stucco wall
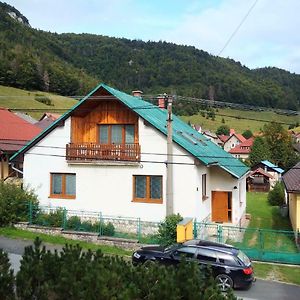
column 223, row 181
column 231, row 143
column 109, row 188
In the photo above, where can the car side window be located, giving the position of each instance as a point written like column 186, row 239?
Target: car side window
column 188, row 252
column 227, row 259
column 206, row 255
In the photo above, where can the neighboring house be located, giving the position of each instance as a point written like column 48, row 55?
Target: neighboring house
column 26, row 117
column 46, row 120
column 259, row 181
column 15, row 132
column 242, row 150
column 213, row 137
column 291, row 181
column 232, row 141
column 270, row 168
column 109, row 154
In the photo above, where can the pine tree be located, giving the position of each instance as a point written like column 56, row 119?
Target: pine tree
column 259, row 152
column 7, row 278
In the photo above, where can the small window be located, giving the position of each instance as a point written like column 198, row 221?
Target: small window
column 204, row 192
column 147, row 189
column 62, row 185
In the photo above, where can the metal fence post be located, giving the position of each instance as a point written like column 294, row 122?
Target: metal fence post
column 195, row 229
column 261, row 243
column 64, row 220
column 30, row 212
column 100, row 224
column 139, row 229
column 219, row 229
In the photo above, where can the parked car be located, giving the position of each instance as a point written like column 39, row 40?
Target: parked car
column 230, row 266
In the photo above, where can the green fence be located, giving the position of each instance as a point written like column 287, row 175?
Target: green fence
column 258, row 244
column 93, row 222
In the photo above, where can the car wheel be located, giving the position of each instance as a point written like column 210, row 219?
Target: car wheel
column 149, row 262
column 224, row 282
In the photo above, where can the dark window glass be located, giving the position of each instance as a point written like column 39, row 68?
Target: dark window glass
column 206, row 255
column 56, row 184
column 103, row 134
column 129, row 134
column 227, row 259
column 186, row 252
column 140, row 186
column 155, row 187
column 116, row 134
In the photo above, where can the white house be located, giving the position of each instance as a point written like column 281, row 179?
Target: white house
column 109, row 154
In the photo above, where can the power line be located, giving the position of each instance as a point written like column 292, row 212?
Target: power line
column 238, row 27
column 143, row 153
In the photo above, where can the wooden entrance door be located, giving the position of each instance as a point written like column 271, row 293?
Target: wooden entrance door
column 221, row 206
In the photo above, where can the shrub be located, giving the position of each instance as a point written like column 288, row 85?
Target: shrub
column 14, row 203
column 276, row 196
column 7, row 279
column 108, row 229
column 76, row 274
column 167, row 230
column 43, row 99
column 53, row 219
column 74, row 223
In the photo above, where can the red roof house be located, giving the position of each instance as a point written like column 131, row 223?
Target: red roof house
column 15, row 132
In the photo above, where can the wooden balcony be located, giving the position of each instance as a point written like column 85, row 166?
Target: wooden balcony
column 92, row 152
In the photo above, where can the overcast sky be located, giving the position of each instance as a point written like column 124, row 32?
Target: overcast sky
column 268, row 37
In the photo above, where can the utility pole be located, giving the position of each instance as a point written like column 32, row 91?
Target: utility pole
column 169, row 200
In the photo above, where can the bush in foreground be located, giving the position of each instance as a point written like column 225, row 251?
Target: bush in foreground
column 14, row 203
column 76, row 274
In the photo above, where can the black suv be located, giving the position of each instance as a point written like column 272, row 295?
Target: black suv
column 230, row 266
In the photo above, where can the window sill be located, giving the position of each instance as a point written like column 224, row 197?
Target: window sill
column 148, row 201
column 62, row 196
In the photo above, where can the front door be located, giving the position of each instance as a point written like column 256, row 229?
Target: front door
column 221, row 206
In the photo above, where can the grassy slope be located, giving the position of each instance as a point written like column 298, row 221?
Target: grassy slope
column 17, row 98
column 263, row 215
column 25, row 99
column 240, row 124
column 268, row 217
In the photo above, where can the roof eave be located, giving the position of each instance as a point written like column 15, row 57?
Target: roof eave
column 53, row 125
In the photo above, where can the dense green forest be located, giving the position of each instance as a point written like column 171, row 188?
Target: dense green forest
column 71, row 64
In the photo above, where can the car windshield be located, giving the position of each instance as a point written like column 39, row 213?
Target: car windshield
column 243, row 257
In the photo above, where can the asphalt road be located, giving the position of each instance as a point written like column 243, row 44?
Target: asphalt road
column 261, row 289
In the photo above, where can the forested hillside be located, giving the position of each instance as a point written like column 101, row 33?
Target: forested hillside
column 71, row 64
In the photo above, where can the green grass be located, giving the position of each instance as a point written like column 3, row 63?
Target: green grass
column 289, row 274
column 277, row 236
column 16, row 233
column 263, row 215
column 16, row 98
column 233, row 119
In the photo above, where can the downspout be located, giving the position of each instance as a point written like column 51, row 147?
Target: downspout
column 15, row 169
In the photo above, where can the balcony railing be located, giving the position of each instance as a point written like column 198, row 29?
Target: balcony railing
column 92, row 152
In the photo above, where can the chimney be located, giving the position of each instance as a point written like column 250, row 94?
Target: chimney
column 161, row 99
column 137, row 93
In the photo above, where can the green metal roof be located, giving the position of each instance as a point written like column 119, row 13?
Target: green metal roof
column 185, row 136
